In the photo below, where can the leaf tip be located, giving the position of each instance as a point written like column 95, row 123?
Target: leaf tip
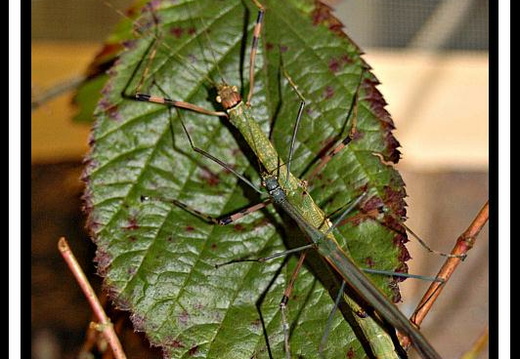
column 322, row 15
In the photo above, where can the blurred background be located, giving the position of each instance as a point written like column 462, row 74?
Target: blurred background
column 441, row 114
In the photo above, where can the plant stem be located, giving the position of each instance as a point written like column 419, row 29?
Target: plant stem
column 463, row 244
column 104, row 325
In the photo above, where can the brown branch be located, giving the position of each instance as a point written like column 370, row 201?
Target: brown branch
column 104, row 325
column 463, row 244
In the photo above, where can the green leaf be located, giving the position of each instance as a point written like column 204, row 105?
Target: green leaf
column 158, row 261
column 87, row 96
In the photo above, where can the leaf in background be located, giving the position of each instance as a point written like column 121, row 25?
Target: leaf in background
column 158, row 261
column 89, row 92
column 87, row 97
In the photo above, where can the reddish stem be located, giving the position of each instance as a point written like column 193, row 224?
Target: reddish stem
column 104, row 324
column 463, row 244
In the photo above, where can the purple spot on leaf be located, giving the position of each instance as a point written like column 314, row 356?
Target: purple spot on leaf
column 357, row 135
column 211, row 178
column 177, row 344
column 193, row 350
column 328, row 93
column 177, row 31
column 346, row 59
column 238, row 227
column 174, row 343
column 184, row 317
column 113, row 113
column 334, row 65
column 132, row 224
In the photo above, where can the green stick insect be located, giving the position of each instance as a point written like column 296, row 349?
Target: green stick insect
column 290, row 194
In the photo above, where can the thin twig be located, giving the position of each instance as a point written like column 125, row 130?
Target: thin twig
column 104, row 325
column 463, row 244
column 56, row 91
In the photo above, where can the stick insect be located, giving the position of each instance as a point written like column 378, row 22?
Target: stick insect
column 293, row 188
column 289, row 193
